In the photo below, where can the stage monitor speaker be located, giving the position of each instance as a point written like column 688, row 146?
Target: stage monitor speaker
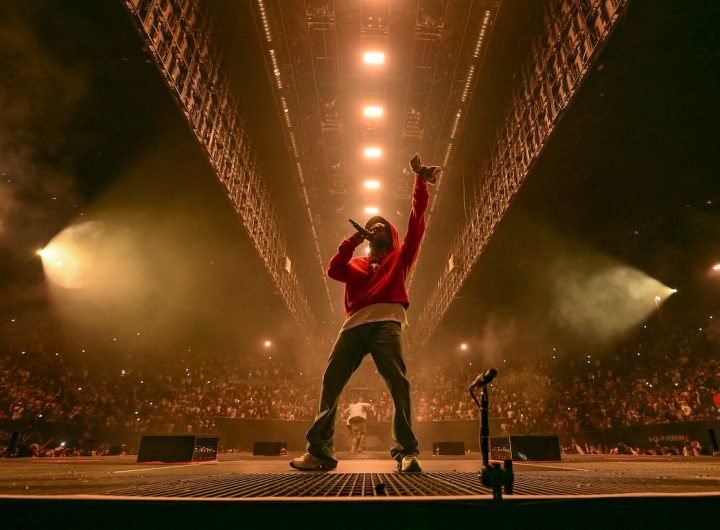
column 546, row 448
column 448, row 448
column 269, row 448
column 206, row 448
column 500, row 448
column 166, row 449
column 535, row 448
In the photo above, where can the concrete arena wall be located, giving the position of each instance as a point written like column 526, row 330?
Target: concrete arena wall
column 241, row 434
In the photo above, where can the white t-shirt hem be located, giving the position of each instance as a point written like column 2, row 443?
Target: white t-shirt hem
column 382, row 312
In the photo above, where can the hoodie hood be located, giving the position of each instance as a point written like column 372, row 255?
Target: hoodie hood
column 393, row 231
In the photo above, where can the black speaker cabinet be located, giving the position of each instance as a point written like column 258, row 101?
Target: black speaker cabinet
column 546, row 448
column 177, row 448
column 269, row 448
column 535, row 448
column 166, row 449
column 448, row 448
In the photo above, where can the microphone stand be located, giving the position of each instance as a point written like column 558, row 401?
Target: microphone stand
column 495, row 475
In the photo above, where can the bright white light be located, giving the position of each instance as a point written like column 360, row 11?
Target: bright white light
column 373, row 152
column 673, row 290
column 609, row 300
column 371, row 210
column 372, row 184
column 267, row 343
column 716, row 267
column 63, row 261
column 464, row 346
column 657, row 298
column 367, row 250
column 374, row 58
column 373, row 111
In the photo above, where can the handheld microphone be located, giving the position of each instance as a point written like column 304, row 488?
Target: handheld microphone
column 366, row 235
column 484, row 378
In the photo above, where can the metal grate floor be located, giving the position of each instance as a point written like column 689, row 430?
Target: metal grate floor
column 368, row 485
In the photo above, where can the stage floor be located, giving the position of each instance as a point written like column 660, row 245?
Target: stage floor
column 240, row 490
column 370, row 476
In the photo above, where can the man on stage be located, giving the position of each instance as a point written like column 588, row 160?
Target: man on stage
column 357, row 424
column 375, row 304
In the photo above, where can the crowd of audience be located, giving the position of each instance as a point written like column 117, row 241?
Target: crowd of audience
column 671, row 379
column 173, row 398
column 622, row 388
column 684, row 447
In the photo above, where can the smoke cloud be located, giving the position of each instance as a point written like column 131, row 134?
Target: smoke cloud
column 39, row 96
column 161, row 253
column 98, row 166
column 531, row 297
column 600, row 304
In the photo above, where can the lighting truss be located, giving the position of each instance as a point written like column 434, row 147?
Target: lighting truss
column 321, row 28
column 554, row 70
column 424, row 59
column 277, row 54
column 480, row 17
column 180, row 38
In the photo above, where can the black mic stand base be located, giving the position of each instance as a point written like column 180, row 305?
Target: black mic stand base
column 496, row 475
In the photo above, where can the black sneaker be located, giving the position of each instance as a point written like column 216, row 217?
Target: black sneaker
column 308, row 462
column 410, row 464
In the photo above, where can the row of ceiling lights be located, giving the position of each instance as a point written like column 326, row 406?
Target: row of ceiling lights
column 373, row 59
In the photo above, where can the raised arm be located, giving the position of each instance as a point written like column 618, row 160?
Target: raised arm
column 338, row 267
column 416, row 223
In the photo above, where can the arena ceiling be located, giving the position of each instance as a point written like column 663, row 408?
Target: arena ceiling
column 430, row 47
column 373, row 83
column 628, row 174
column 359, row 87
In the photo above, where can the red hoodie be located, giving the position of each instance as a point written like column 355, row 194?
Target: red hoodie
column 387, row 283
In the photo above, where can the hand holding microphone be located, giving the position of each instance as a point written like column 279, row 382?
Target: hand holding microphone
column 364, row 233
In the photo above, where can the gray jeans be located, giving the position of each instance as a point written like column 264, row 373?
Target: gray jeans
column 358, row 431
column 382, row 340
